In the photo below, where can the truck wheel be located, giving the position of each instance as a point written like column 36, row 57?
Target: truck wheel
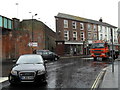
column 95, row 58
column 103, row 59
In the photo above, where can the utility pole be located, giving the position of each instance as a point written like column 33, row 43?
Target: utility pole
column 32, row 32
column 112, row 50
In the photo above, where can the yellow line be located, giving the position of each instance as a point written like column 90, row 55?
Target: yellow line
column 96, row 82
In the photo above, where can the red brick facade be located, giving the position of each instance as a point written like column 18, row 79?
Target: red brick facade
column 15, row 41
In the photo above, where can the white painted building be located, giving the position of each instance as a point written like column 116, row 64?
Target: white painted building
column 104, row 33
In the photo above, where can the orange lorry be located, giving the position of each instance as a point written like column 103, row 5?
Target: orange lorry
column 101, row 49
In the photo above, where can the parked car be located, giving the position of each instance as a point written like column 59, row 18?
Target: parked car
column 48, row 55
column 29, row 68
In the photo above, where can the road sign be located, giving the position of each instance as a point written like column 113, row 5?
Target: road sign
column 33, row 44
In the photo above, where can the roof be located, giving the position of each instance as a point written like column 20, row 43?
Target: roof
column 77, row 18
column 67, row 16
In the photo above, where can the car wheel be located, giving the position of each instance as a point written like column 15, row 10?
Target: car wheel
column 55, row 58
column 11, row 81
column 44, row 82
column 95, row 58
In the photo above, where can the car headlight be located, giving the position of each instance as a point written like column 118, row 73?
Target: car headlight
column 40, row 72
column 13, row 72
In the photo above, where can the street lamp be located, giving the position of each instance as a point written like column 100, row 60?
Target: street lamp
column 17, row 9
column 112, row 49
column 32, row 39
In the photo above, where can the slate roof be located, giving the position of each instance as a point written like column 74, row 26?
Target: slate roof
column 77, row 18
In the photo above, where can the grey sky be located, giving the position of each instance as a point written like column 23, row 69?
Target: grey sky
column 47, row 9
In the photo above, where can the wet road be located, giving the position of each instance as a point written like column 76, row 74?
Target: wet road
column 66, row 73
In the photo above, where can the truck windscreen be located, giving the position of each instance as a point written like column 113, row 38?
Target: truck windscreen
column 97, row 45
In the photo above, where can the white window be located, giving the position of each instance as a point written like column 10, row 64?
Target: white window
column 74, row 24
column 95, row 28
column 89, row 35
column 66, row 35
column 81, row 26
column 95, row 36
column 74, row 35
column 82, row 36
column 89, row 27
column 65, row 23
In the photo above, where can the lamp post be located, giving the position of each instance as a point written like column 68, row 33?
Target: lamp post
column 32, row 38
column 17, row 9
column 112, row 49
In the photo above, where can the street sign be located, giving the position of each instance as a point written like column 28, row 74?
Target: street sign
column 33, row 44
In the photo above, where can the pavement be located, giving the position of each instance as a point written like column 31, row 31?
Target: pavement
column 109, row 80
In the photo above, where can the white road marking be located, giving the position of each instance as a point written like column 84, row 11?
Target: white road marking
column 2, row 79
column 87, row 58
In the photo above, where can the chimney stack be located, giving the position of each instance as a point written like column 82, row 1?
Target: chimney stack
column 101, row 19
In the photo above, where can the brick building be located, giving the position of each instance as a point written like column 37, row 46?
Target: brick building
column 75, row 34
column 42, row 34
column 15, row 37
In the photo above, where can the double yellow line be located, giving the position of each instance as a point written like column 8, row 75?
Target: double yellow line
column 98, row 79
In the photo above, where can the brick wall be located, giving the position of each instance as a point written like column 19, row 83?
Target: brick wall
column 15, row 43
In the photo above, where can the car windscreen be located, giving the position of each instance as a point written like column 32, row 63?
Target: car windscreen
column 30, row 59
column 97, row 45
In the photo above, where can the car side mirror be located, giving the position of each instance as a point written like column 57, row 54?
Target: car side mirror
column 45, row 61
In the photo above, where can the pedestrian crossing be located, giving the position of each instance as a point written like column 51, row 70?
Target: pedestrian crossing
column 2, row 79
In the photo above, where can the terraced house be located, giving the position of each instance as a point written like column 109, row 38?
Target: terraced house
column 75, row 34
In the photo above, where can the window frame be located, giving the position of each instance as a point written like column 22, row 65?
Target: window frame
column 66, row 35
column 95, row 27
column 74, row 24
column 89, row 27
column 95, row 36
column 82, row 36
column 75, row 35
column 5, row 23
column 89, row 36
column 1, row 21
column 65, row 23
column 81, row 26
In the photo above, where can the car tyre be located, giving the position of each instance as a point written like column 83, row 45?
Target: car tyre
column 55, row 58
column 10, row 80
column 95, row 58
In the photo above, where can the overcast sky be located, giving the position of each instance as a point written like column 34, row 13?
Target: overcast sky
column 47, row 9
